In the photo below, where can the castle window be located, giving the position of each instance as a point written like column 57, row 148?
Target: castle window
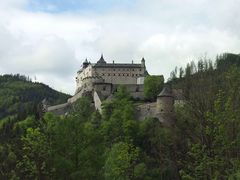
column 132, row 69
column 108, row 74
column 113, row 69
column 137, row 89
column 140, row 69
column 104, row 88
column 123, row 74
column 103, row 74
column 132, row 75
column 161, row 110
column 127, row 74
column 119, row 74
column 113, row 74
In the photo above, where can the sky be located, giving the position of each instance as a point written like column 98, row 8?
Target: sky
column 49, row 39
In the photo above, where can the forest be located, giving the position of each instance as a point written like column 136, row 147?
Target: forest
column 204, row 142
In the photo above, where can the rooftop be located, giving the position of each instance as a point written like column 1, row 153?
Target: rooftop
column 110, row 65
column 166, row 92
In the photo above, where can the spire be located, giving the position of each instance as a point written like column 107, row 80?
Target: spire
column 85, row 63
column 143, row 61
column 101, row 60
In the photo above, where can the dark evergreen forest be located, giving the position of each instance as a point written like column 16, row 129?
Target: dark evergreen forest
column 203, row 144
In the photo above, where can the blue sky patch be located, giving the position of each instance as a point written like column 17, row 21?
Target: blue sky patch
column 98, row 6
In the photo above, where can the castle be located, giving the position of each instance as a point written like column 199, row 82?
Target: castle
column 110, row 73
column 101, row 80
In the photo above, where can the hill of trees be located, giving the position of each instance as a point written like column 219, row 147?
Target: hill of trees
column 20, row 97
column 203, row 144
column 18, row 93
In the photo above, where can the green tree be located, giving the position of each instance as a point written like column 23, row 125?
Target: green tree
column 35, row 155
column 152, row 87
column 121, row 161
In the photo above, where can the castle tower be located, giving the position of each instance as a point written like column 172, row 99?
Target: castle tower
column 165, row 101
column 165, row 106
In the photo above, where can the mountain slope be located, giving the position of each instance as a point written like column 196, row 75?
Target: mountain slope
column 20, row 96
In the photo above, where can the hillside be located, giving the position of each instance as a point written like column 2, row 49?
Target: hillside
column 20, row 96
column 204, row 142
column 203, row 80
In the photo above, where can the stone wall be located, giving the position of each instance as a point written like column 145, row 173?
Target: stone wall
column 165, row 104
column 88, row 83
column 84, row 73
column 60, row 109
column 135, row 90
column 146, row 110
column 104, row 88
column 97, row 101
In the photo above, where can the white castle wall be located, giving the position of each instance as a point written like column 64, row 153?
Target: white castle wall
column 118, row 75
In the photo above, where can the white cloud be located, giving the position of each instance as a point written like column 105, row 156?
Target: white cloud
column 167, row 33
column 165, row 51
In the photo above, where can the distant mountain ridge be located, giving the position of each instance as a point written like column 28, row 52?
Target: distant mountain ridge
column 19, row 95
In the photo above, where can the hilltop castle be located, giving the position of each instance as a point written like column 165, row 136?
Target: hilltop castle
column 101, row 80
column 110, row 73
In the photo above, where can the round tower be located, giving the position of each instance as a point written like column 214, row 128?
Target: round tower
column 165, row 101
